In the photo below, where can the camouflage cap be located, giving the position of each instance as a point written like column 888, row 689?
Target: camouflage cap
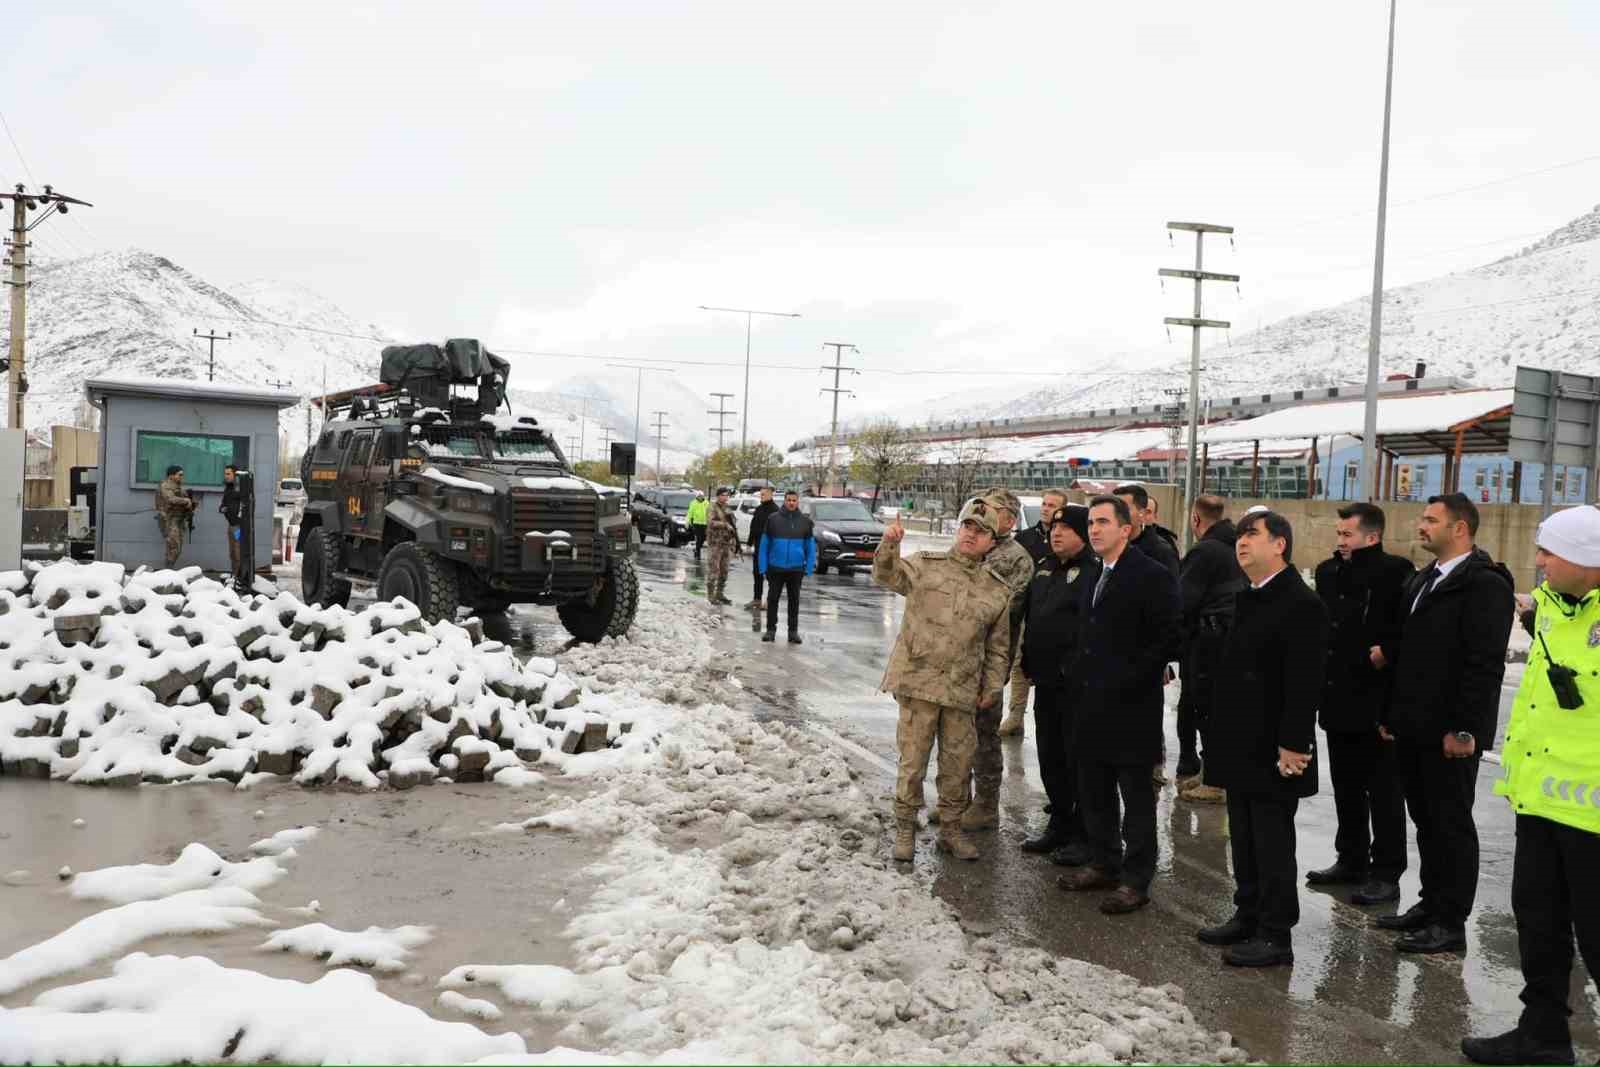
column 1000, row 497
column 980, row 511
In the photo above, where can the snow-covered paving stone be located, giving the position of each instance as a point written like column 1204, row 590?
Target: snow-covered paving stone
column 115, row 930
column 166, row 676
column 382, row 949
column 197, row 867
column 146, row 1013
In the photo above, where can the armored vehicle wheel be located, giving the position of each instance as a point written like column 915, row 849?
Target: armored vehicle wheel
column 429, row 582
column 613, row 609
column 321, row 560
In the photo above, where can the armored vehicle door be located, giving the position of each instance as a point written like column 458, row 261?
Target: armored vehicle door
column 353, row 481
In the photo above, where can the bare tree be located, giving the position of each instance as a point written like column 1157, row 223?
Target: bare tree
column 885, row 455
column 964, row 460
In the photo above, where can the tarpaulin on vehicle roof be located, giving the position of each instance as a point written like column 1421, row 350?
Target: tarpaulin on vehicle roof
column 429, row 369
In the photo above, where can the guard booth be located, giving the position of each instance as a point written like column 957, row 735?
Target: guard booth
column 148, row 425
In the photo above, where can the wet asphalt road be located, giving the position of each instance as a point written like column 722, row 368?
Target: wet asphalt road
column 1349, row 997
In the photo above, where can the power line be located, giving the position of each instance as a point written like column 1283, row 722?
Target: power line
column 17, row 148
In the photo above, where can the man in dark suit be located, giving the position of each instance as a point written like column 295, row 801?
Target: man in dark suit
column 1129, row 635
column 1449, row 659
column 1261, row 743
column 1362, row 587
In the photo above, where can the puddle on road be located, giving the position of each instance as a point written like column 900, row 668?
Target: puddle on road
column 382, row 859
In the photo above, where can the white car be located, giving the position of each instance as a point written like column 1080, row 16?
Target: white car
column 291, row 494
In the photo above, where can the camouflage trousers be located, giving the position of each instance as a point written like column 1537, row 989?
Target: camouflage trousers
column 172, row 531
column 717, row 571
column 988, row 761
column 921, row 724
column 1019, row 688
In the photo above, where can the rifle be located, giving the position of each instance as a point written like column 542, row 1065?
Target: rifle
column 188, row 516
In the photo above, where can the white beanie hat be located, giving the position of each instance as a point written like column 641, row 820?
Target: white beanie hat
column 1574, row 535
column 1258, row 507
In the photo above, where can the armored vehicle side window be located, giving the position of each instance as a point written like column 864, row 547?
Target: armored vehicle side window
column 362, row 451
column 344, row 439
column 326, row 453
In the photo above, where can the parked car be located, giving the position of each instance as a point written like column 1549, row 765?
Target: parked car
column 847, row 534
column 662, row 512
column 291, row 494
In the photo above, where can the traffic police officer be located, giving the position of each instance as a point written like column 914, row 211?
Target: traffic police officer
column 950, row 661
column 1552, row 778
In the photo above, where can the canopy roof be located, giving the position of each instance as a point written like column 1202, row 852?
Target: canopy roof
column 1424, row 425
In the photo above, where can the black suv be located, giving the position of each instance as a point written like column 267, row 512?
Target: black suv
column 664, row 513
column 847, row 534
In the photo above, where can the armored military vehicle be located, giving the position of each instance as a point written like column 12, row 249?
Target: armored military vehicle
column 423, row 486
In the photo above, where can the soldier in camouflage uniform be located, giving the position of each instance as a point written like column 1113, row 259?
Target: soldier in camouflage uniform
column 722, row 535
column 949, row 661
column 1013, row 565
column 173, row 508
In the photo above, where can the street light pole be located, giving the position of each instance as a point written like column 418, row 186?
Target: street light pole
column 749, row 314
column 1369, row 436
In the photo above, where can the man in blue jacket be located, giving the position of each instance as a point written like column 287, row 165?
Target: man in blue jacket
column 787, row 554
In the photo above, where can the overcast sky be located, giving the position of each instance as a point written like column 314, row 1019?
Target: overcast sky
column 963, row 187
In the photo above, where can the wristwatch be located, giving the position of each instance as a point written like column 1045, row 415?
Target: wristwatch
column 1464, row 737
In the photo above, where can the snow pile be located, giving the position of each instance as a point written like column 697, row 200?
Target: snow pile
column 146, row 1013
column 197, row 867
column 163, row 676
column 376, row 947
column 782, row 932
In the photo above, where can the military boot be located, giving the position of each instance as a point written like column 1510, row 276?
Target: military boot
column 1012, row 723
column 983, row 813
column 905, row 841
column 952, row 840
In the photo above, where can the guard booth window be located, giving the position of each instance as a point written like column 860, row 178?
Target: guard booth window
column 202, row 456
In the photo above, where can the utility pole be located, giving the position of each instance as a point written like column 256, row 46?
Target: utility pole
column 1196, row 323
column 15, row 362
column 213, row 337
column 721, row 413
column 838, row 368
column 748, row 313
column 661, row 425
column 638, row 396
column 1369, row 434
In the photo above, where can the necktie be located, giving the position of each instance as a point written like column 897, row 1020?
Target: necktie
column 1427, row 586
column 1100, row 587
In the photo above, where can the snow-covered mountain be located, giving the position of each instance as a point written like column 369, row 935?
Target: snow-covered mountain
column 134, row 313
column 1539, row 307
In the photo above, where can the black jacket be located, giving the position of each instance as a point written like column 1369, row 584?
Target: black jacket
column 1266, row 689
column 1363, row 598
column 1159, row 544
column 1053, row 607
column 1124, row 647
column 1209, row 578
column 1036, row 539
column 758, row 521
column 231, row 505
column 1449, row 657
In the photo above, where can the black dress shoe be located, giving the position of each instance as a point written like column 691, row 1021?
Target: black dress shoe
column 1514, row 1046
column 1376, row 891
column 794, row 638
column 770, row 635
column 1259, row 952
column 1433, row 938
column 1047, row 841
column 1339, row 874
column 1072, row 854
column 1413, row 918
column 1233, row 932
column 1188, row 769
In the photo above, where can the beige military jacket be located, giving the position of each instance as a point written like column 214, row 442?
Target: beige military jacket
column 171, row 503
column 955, row 639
